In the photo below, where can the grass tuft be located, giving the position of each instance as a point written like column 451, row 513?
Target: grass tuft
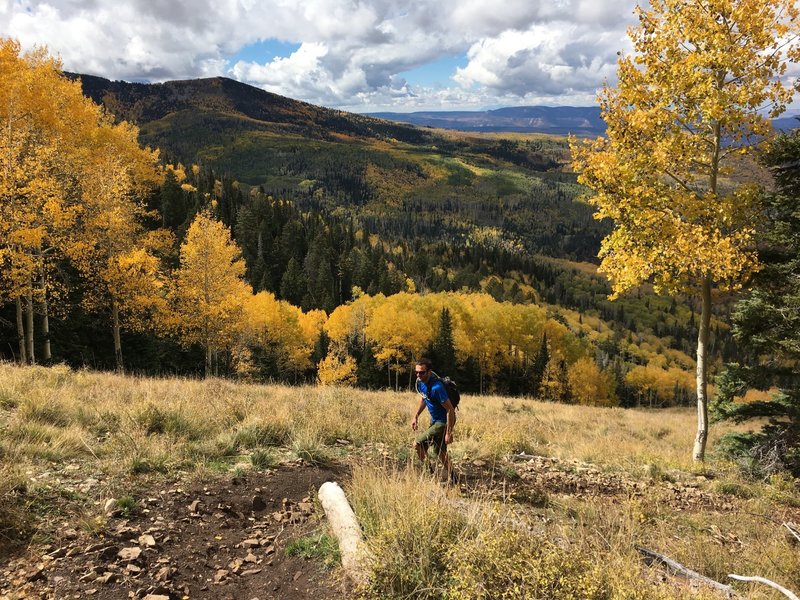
column 318, row 545
column 16, row 523
column 263, row 458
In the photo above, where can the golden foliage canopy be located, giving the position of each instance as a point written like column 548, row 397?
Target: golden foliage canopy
column 688, row 99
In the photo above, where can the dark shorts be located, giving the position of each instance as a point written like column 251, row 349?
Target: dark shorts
column 433, row 435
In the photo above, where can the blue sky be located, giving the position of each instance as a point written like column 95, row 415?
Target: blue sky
column 264, row 50
column 358, row 55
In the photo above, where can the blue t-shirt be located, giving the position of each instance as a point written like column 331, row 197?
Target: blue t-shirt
column 434, row 398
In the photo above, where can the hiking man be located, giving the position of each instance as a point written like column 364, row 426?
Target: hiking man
column 443, row 416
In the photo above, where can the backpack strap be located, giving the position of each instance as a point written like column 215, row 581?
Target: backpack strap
column 429, row 385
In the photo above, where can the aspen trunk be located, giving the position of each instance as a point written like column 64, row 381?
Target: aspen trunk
column 208, row 360
column 23, row 355
column 117, row 340
column 46, row 352
column 699, row 453
column 29, row 327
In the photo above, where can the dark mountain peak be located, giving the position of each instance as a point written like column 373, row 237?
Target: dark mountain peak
column 240, row 105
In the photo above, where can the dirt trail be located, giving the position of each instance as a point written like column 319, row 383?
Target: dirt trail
column 215, row 539
column 226, row 538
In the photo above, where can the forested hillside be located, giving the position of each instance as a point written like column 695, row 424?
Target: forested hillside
column 330, row 210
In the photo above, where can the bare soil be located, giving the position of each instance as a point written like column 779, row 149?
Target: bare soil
column 221, row 538
column 226, row 537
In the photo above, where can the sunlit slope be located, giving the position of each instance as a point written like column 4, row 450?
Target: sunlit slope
column 510, row 191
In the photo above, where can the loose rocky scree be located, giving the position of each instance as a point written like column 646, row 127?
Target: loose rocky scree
column 222, row 539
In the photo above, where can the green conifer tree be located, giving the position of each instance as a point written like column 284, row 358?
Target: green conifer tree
column 443, row 348
column 539, row 366
column 767, row 325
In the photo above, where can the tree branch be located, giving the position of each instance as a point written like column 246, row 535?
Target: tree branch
column 771, row 584
column 793, row 530
column 679, row 181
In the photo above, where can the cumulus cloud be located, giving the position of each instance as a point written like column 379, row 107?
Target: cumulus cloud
column 544, row 60
column 351, row 54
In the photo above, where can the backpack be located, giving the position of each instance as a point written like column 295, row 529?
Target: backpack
column 451, row 388
column 452, row 391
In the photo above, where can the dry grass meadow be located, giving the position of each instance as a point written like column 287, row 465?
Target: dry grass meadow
column 507, row 534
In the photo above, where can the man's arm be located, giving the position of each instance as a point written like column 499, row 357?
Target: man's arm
column 451, row 421
column 420, row 408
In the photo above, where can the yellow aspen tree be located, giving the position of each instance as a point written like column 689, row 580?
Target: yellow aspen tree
column 401, row 331
column 686, row 103
column 347, row 324
column 110, row 246
column 311, row 326
column 209, row 293
column 589, row 385
column 485, row 337
column 285, row 328
column 43, row 119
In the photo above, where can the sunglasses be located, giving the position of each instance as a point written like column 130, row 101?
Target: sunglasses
column 420, row 372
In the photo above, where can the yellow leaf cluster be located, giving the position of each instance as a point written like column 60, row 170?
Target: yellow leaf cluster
column 686, row 101
column 401, row 327
column 69, row 187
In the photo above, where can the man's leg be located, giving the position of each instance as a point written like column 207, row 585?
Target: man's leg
column 421, row 453
column 433, row 435
column 444, row 457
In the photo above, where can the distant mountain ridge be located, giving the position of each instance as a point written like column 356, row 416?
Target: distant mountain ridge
column 252, row 108
column 143, row 103
column 555, row 120
column 582, row 121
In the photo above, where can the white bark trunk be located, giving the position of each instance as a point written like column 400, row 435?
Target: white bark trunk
column 46, row 351
column 699, row 453
column 29, row 349
column 117, row 338
column 23, row 355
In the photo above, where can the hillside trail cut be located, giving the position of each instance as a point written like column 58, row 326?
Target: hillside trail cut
column 226, row 537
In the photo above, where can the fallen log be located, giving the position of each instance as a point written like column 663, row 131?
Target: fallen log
column 345, row 527
column 771, row 584
column 679, row 569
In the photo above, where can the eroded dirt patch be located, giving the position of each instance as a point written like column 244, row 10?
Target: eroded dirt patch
column 532, row 479
column 221, row 538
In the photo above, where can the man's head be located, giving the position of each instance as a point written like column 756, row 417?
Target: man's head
column 423, row 369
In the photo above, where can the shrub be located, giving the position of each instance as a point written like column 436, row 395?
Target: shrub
column 127, row 506
column 141, row 465
column 263, row 433
column 508, row 562
column 308, row 446
column 409, row 524
column 155, row 420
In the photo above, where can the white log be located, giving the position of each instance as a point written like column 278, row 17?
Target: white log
column 345, row 527
column 771, row 584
